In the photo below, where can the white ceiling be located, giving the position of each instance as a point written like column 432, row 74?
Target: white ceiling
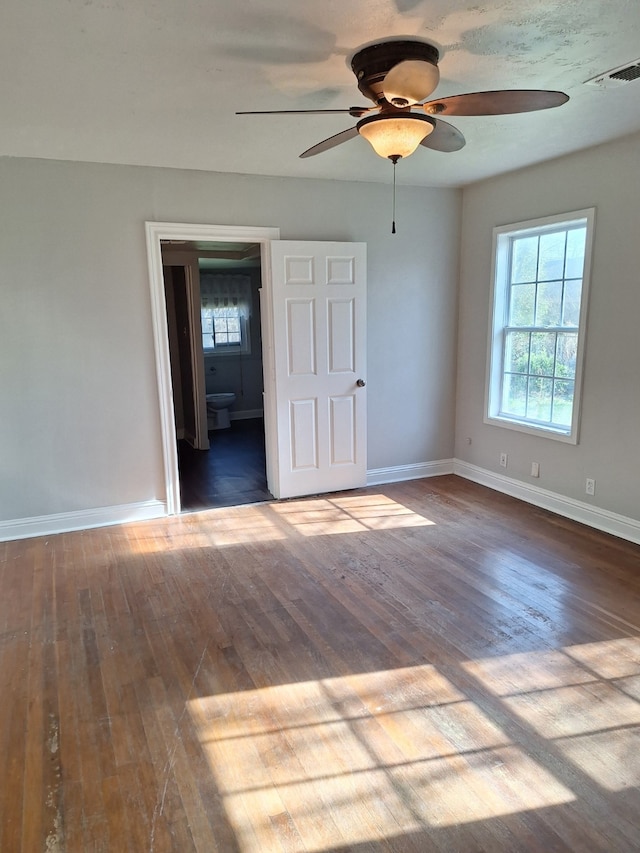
column 156, row 82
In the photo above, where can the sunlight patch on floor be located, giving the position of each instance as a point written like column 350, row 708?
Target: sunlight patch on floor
column 271, row 522
column 363, row 757
column 613, row 659
column 222, row 528
column 611, row 758
column 348, row 514
column 568, row 711
column 585, row 699
column 509, row 675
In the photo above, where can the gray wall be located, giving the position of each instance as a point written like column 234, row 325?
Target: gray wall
column 607, row 178
column 79, row 414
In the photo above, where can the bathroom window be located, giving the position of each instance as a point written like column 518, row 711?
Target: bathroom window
column 225, row 313
column 536, row 345
column 222, row 327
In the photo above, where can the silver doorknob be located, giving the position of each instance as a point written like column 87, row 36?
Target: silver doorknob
column 361, row 383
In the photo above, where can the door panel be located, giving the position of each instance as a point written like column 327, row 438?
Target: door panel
column 304, row 434
column 341, row 327
column 319, row 313
column 343, row 429
column 301, row 337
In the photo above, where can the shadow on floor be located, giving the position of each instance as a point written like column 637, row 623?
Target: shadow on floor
column 231, row 472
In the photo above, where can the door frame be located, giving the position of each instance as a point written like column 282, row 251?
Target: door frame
column 189, row 265
column 155, row 232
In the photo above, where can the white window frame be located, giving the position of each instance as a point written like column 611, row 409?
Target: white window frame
column 243, row 347
column 498, row 321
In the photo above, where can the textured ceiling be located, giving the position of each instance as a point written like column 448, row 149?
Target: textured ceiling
column 156, row 82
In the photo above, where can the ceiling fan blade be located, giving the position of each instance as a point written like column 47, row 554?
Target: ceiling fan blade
column 356, row 112
column 444, row 137
column 331, row 142
column 410, row 81
column 498, row 103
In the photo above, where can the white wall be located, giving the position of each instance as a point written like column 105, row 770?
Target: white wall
column 79, row 416
column 607, row 178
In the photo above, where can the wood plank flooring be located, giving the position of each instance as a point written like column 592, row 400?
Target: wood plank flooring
column 425, row 666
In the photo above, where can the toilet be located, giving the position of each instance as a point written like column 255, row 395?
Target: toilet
column 218, row 410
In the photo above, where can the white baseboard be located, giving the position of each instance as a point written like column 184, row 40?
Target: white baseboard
column 397, row 473
column 248, row 414
column 601, row 519
column 64, row 522
column 593, row 516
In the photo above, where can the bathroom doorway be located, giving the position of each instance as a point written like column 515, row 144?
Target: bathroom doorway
column 216, row 349
column 313, row 312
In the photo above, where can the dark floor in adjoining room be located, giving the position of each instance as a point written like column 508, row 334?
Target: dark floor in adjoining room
column 231, row 472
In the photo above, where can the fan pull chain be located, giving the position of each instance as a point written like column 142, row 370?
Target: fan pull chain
column 394, row 159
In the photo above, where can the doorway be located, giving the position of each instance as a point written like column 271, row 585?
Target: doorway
column 216, row 349
column 180, row 234
column 313, row 327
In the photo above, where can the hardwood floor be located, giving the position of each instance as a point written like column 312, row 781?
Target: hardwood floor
column 231, row 472
column 425, row 666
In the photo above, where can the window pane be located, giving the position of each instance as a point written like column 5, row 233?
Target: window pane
column 572, row 295
column 576, row 241
column 562, row 402
column 549, row 304
column 543, row 349
column 233, row 324
column 525, row 259
column 566, row 353
column 234, row 337
column 551, row 263
column 220, row 324
column 522, row 304
column 516, row 357
column 515, row 395
column 539, row 399
column 207, row 330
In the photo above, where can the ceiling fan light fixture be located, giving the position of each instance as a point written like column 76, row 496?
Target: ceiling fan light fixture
column 395, row 135
column 410, row 81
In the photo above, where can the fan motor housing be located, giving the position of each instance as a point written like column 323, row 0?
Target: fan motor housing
column 372, row 64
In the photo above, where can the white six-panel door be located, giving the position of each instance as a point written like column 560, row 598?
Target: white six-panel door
column 319, row 327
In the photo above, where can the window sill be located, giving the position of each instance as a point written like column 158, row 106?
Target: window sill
column 530, row 429
column 225, row 353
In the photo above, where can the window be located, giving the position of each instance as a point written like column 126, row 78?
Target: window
column 222, row 327
column 539, row 301
column 225, row 311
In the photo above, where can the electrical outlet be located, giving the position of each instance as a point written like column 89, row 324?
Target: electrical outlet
column 535, row 469
column 591, row 486
column 503, row 460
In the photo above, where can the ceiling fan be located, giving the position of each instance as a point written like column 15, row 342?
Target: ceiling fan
column 397, row 76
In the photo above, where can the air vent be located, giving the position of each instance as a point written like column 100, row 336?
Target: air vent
column 627, row 74
column 617, row 76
